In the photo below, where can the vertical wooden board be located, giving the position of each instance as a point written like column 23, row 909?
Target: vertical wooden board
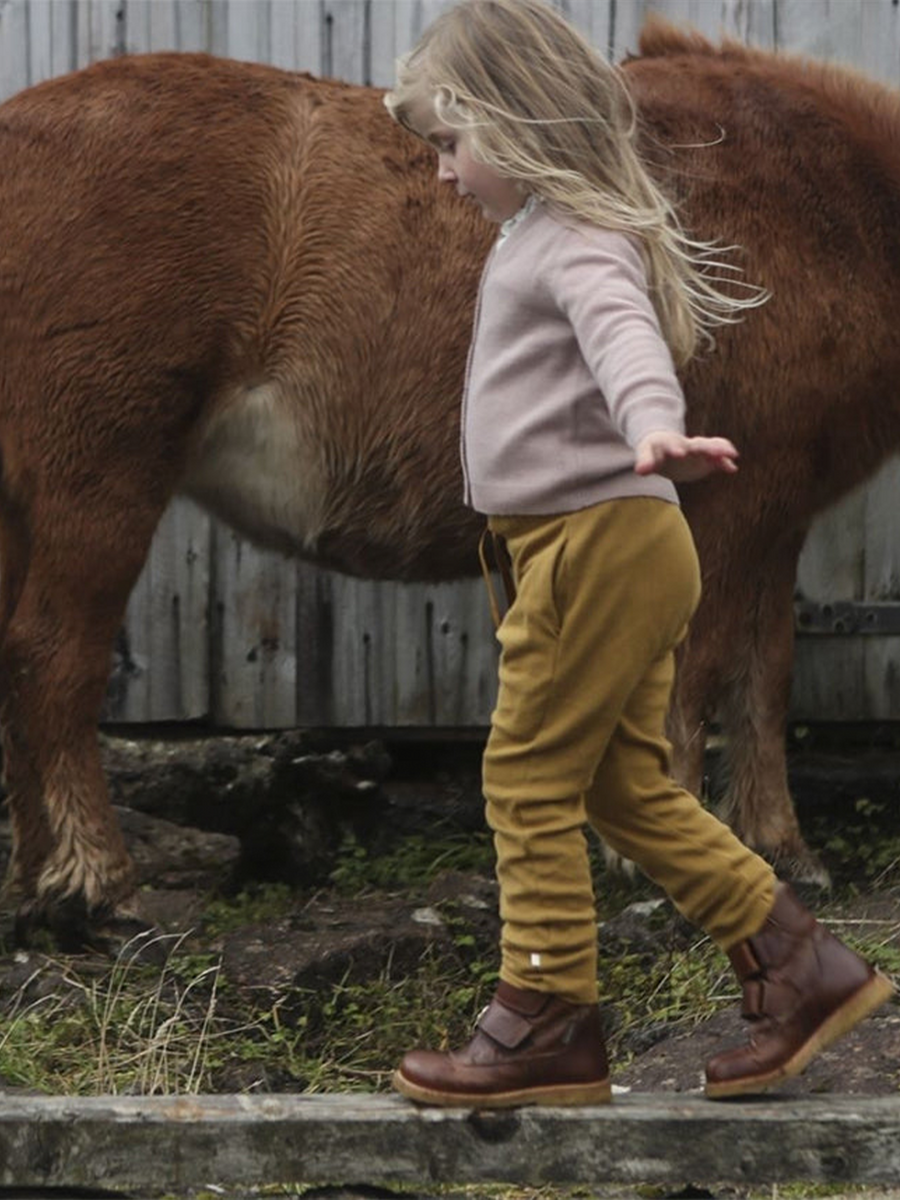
column 152, row 25
column 295, row 30
column 879, row 41
column 754, row 22
column 315, row 617
column 14, row 41
column 53, row 39
column 253, row 656
column 240, row 29
column 149, row 25
column 98, row 31
column 396, row 26
column 422, row 13
column 464, row 652
column 410, row 655
column 881, row 655
column 864, row 34
column 829, row 672
column 389, row 25
column 413, row 664
column 829, row 680
column 881, row 533
column 162, row 664
column 861, row 33
column 345, row 45
column 363, row 680
column 593, row 18
column 881, row 672
column 832, row 564
column 193, row 24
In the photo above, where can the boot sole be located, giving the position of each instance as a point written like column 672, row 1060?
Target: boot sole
column 599, row 1092
column 869, row 997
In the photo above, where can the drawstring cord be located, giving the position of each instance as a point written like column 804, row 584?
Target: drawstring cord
column 504, row 566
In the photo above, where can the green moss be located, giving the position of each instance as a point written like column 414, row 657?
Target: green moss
column 415, row 862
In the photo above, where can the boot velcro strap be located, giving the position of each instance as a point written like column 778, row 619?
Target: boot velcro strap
column 744, row 961
column 765, row 998
column 509, row 1029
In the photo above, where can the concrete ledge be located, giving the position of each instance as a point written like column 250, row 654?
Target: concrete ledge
column 158, row 1144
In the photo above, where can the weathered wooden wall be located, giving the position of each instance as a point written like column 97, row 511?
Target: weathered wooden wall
column 217, row 629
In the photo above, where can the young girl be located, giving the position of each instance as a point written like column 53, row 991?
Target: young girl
column 573, row 431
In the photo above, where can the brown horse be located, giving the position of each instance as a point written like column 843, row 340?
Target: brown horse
column 246, row 286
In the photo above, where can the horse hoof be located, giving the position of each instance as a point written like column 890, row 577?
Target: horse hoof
column 804, row 870
column 69, row 926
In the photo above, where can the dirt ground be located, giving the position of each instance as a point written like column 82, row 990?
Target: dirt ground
column 848, row 803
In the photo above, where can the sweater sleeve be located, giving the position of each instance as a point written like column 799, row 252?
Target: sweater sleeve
column 599, row 282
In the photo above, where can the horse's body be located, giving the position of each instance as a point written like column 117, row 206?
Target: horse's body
column 247, row 286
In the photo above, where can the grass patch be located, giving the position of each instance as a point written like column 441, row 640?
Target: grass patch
column 122, row 1028
column 83, row 1026
column 414, row 863
column 351, row 1037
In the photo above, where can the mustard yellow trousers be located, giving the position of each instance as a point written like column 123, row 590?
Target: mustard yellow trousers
column 603, row 597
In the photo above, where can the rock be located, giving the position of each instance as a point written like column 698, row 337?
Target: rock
column 329, row 941
column 289, row 798
column 166, row 855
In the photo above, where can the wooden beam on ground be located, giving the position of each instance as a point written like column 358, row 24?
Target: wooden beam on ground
column 171, row 1143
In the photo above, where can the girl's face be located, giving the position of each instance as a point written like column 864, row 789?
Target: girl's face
column 499, row 197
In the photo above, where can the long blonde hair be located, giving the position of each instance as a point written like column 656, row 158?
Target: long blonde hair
column 541, row 106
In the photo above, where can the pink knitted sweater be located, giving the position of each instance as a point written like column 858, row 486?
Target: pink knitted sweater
column 567, row 371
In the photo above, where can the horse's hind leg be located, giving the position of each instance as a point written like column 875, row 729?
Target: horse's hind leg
column 70, row 868
column 737, row 664
column 757, row 800
column 32, row 841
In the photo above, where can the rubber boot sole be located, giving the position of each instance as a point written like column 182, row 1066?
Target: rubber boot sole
column 599, row 1092
column 869, row 997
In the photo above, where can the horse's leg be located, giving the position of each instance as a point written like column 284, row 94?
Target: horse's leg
column 32, row 841
column 737, row 664
column 757, row 800
column 70, row 868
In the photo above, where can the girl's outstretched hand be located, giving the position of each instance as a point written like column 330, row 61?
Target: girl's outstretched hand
column 684, row 459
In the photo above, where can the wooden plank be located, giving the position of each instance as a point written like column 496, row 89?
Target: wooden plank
column 594, row 18
column 98, row 31
column 860, row 33
column 170, row 1143
column 14, row 39
column 166, row 673
column 241, row 30
column 755, row 22
column 152, row 25
column 253, row 658
column 51, row 42
column 829, row 676
column 296, row 35
column 881, row 539
column 346, row 50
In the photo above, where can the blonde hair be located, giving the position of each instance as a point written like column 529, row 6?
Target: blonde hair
column 541, row 106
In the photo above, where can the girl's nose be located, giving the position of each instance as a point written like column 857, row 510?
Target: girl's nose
column 446, row 174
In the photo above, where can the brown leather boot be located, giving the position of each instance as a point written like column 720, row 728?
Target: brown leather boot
column 529, row 1048
column 803, row 989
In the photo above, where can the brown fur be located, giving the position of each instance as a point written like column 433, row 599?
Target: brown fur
column 247, row 285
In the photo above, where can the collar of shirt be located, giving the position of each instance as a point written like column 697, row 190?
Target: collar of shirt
column 518, row 216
